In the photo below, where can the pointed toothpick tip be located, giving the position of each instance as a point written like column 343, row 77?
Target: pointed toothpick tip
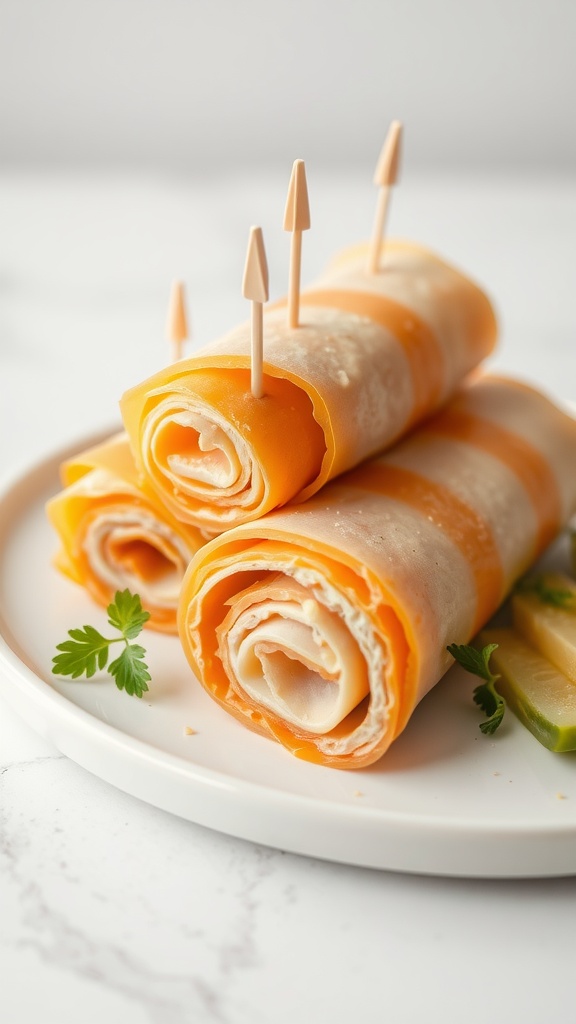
column 177, row 321
column 255, row 288
column 388, row 166
column 255, row 280
column 297, row 211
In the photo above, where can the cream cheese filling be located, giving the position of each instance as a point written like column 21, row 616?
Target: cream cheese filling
column 295, row 646
column 212, row 458
column 295, row 659
column 206, row 469
column 111, row 544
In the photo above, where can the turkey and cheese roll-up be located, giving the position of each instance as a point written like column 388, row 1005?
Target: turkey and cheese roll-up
column 374, row 354
column 114, row 533
column 324, row 624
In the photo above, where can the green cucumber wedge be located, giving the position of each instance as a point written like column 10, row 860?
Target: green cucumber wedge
column 550, row 629
column 539, row 695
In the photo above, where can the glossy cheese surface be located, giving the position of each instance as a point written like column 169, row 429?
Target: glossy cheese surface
column 372, row 356
column 408, row 553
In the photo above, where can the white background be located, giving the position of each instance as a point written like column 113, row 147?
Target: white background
column 210, row 85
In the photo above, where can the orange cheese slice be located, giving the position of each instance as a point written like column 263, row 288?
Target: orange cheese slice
column 114, row 533
column 325, row 623
column 373, row 355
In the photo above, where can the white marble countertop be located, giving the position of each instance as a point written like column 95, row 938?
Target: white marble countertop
column 111, row 909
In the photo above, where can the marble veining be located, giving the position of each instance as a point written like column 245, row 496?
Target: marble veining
column 48, row 921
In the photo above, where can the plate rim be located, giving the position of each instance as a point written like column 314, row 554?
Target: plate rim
column 31, row 695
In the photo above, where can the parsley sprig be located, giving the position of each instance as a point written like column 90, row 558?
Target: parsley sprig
column 555, row 596
column 87, row 651
column 485, row 696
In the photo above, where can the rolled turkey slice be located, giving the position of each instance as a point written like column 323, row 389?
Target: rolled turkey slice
column 373, row 355
column 324, row 624
column 115, row 534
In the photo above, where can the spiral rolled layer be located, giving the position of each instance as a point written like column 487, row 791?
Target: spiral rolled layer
column 115, row 535
column 373, row 355
column 324, row 624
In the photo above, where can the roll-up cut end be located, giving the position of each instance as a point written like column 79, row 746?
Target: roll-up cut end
column 115, row 536
column 324, row 624
column 214, row 454
column 371, row 357
column 298, row 646
column 292, row 655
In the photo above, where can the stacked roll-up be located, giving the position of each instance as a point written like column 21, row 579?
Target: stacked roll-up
column 114, row 533
column 373, row 355
column 324, row 624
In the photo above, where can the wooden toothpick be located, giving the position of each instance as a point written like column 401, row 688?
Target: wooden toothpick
column 296, row 220
column 177, row 324
column 385, row 175
column 255, row 288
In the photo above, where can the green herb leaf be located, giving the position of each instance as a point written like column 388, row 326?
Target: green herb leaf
column 130, row 670
column 492, row 704
column 84, row 654
column 555, row 596
column 87, row 650
column 126, row 614
column 485, row 696
column 474, row 661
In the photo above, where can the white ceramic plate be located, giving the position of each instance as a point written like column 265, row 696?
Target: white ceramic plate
column 445, row 799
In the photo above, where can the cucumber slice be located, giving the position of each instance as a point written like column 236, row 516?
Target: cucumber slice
column 551, row 630
column 539, row 695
